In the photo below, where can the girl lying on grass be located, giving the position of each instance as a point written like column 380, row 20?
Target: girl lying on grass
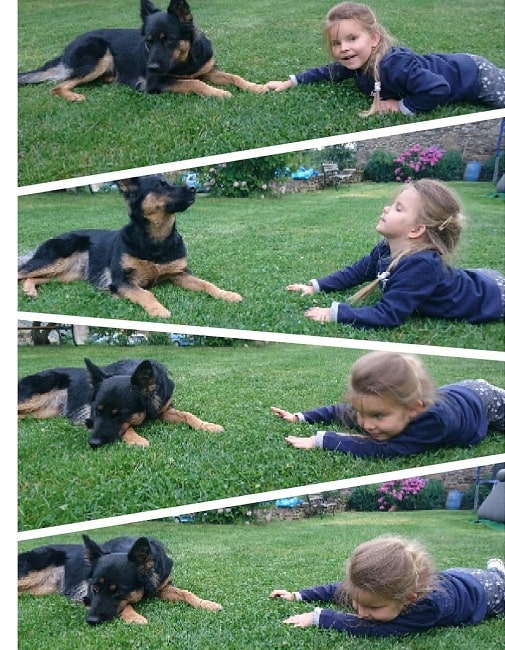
column 399, row 79
column 393, row 589
column 391, row 401
column 410, row 265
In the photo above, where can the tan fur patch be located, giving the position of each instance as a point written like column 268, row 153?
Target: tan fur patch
column 143, row 273
column 41, row 583
column 48, row 405
column 161, row 224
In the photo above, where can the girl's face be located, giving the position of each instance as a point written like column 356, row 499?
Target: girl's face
column 351, row 44
column 375, row 607
column 380, row 418
column 400, row 220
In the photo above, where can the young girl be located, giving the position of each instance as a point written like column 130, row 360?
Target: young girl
column 393, row 589
column 392, row 403
column 421, row 229
column 399, row 79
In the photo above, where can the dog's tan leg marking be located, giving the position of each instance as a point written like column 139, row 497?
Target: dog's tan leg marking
column 129, row 615
column 224, row 78
column 145, row 299
column 104, row 68
column 131, row 437
column 173, row 594
column 173, row 416
column 191, row 282
column 198, row 87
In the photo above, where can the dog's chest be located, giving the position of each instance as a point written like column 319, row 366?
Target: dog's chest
column 145, row 273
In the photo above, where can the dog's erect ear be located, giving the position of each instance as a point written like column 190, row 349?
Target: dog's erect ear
column 146, row 9
column 128, row 186
column 92, row 552
column 143, row 377
column 96, row 374
column 181, row 9
column 140, row 553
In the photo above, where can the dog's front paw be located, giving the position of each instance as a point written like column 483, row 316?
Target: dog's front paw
column 222, row 94
column 129, row 615
column 230, row 296
column 211, row 428
column 259, row 89
column 160, row 312
column 210, row 605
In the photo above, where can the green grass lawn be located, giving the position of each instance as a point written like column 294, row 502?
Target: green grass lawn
column 117, row 128
column 238, row 566
column 257, row 247
column 62, row 480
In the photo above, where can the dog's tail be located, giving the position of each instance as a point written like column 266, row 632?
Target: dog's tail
column 41, row 383
column 53, row 70
column 40, row 558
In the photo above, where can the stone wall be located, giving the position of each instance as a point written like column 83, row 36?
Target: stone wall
column 475, row 141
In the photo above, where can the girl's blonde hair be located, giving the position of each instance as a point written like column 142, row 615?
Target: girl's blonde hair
column 362, row 14
column 400, row 379
column 440, row 213
column 390, row 566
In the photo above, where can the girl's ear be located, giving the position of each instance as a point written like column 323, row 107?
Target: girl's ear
column 417, row 231
column 375, row 38
column 416, row 408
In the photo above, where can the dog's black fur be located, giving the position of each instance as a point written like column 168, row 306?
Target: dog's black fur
column 108, row 578
column 109, row 400
column 127, row 262
column 168, row 53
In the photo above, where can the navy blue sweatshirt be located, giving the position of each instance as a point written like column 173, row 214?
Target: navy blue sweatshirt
column 419, row 82
column 420, row 284
column 457, row 599
column 457, row 418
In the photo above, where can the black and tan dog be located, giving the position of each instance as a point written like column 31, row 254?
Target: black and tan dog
column 167, row 54
column 110, row 400
column 108, row 578
column 146, row 252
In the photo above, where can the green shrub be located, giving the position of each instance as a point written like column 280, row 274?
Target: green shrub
column 468, row 497
column 363, row 499
column 380, row 167
column 244, row 178
column 431, row 497
column 487, row 170
column 451, row 167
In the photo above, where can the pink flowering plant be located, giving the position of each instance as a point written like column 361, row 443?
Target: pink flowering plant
column 416, row 162
column 395, row 495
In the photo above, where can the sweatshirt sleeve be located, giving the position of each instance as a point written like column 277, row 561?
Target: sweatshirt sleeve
column 333, row 414
column 408, row 286
column 330, row 72
column 353, row 275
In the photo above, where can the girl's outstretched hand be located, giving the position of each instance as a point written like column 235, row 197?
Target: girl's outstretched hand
column 285, row 415
column 320, row 314
column 282, row 593
column 301, row 443
column 304, row 289
column 300, row 620
column 279, row 85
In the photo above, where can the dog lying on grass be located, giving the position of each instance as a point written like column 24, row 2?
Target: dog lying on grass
column 167, row 54
column 109, row 579
column 110, row 400
column 127, row 262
